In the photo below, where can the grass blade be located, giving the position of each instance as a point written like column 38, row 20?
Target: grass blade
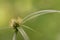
column 14, row 36
column 29, row 28
column 35, row 14
column 31, row 17
column 23, row 33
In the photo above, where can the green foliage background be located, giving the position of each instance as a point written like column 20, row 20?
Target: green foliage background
column 47, row 26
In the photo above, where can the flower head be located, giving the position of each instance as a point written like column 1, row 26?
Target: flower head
column 15, row 22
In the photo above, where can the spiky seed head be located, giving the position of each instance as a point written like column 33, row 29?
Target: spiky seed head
column 19, row 20
column 15, row 22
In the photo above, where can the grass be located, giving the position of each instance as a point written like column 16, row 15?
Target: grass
column 47, row 30
column 47, row 25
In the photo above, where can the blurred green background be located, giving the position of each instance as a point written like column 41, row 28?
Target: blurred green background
column 47, row 26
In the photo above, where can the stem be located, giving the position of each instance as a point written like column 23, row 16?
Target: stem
column 15, row 35
column 23, row 33
column 35, row 14
column 29, row 28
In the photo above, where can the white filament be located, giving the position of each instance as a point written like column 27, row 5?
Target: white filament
column 23, row 33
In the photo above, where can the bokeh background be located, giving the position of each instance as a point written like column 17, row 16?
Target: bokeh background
column 47, row 26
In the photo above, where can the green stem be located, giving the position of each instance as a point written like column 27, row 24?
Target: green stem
column 23, row 33
column 15, row 34
column 35, row 14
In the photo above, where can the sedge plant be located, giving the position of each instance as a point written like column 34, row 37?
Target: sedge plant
column 16, row 23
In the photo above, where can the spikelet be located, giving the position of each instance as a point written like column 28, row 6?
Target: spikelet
column 15, row 22
column 19, row 20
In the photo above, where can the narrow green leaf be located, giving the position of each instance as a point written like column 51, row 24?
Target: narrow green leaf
column 23, row 33
column 35, row 14
column 14, row 36
column 29, row 28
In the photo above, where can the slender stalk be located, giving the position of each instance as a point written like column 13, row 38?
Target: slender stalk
column 31, row 17
column 23, row 33
column 35, row 14
column 29, row 28
column 40, row 12
column 15, row 35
